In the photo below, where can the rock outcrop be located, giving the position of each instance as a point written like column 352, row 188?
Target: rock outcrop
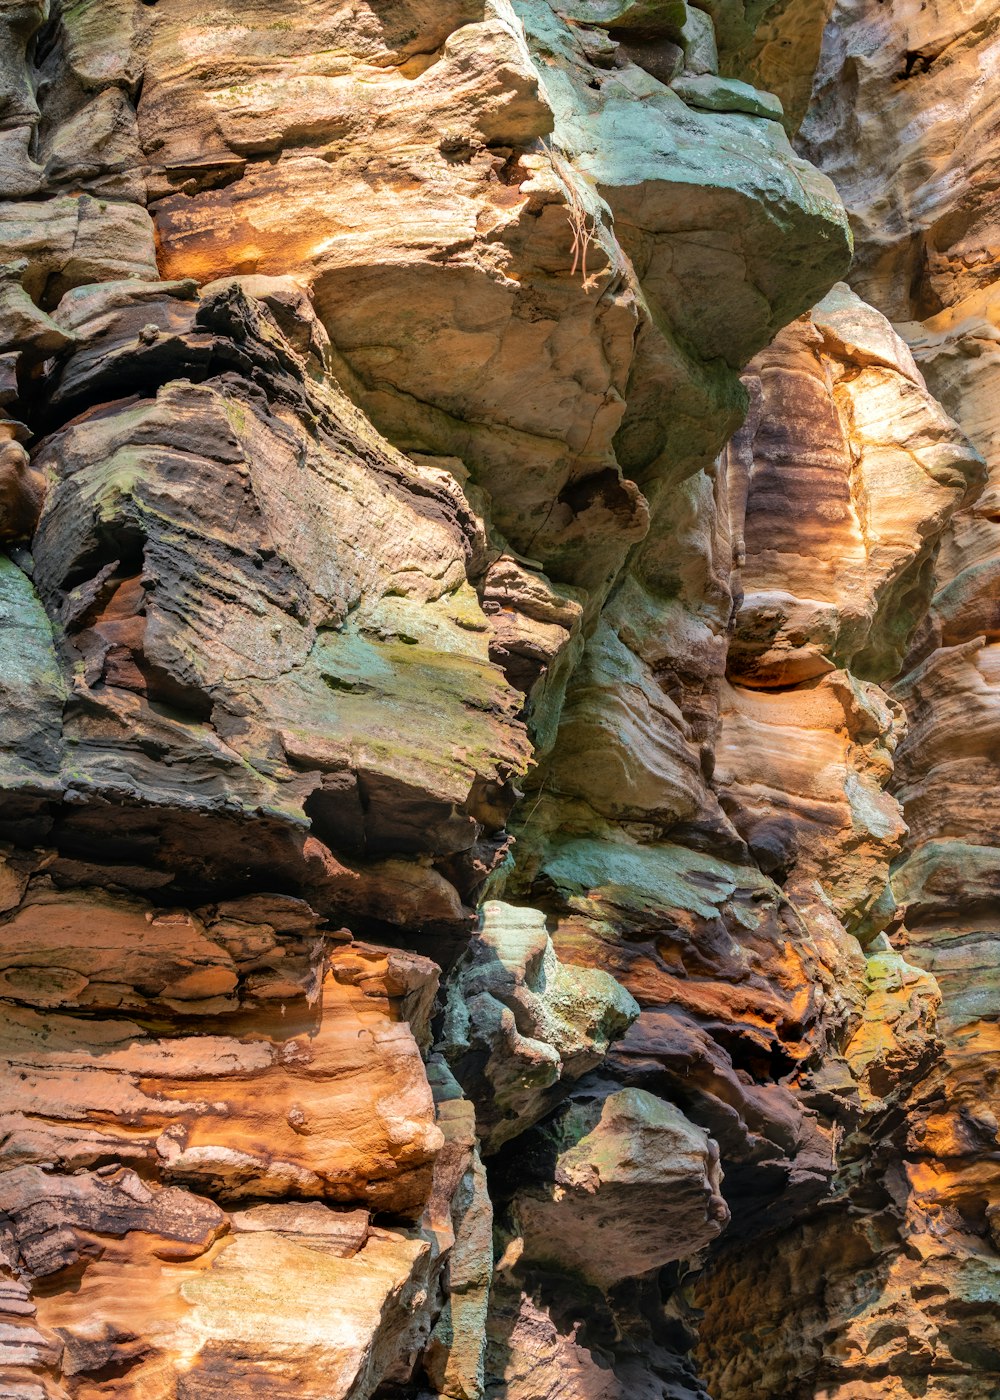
column 907, row 1248
column 498, row 855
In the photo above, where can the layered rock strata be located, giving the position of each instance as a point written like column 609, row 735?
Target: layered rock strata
column 900, row 117
column 496, row 864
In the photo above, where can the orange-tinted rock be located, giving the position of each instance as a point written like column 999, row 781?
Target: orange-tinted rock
column 129, row 1140
column 375, row 554
column 241, row 1111
column 802, row 774
column 854, row 472
column 901, row 118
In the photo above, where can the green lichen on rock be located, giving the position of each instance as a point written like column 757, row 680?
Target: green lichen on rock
column 32, row 690
column 681, row 182
column 520, row 1025
column 712, row 94
column 626, row 1166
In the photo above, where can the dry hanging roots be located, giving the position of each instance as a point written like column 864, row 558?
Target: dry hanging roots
column 580, row 221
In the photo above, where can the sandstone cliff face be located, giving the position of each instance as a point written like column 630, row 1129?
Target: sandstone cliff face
column 498, row 887
column 900, row 118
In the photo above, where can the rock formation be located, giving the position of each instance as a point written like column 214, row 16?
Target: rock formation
column 499, row 862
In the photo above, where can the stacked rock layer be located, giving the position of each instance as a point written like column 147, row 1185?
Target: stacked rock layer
column 500, row 701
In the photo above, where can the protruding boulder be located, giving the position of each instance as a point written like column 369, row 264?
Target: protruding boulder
column 853, row 472
column 520, row 1025
column 633, row 1185
column 22, row 488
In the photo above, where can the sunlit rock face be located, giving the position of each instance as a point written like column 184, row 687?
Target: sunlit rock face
column 496, row 862
column 901, row 117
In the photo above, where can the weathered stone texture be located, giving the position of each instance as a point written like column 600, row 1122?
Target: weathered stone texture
column 499, row 683
column 901, row 119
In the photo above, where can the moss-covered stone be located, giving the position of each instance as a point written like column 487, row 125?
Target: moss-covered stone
column 31, row 686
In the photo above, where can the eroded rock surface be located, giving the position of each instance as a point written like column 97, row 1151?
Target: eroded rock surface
column 497, row 845
column 900, row 118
